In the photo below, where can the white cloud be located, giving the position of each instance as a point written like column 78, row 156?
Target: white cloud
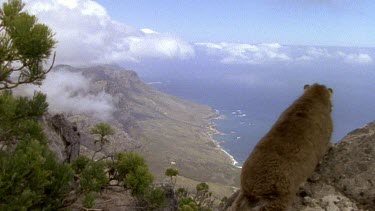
column 314, row 54
column 304, row 58
column 242, row 53
column 86, row 34
column 69, row 92
column 149, row 31
column 318, row 52
column 354, row 58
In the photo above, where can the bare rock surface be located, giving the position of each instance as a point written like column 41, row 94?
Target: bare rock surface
column 63, row 137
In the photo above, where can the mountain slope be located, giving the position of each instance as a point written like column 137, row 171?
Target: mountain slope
column 170, row 130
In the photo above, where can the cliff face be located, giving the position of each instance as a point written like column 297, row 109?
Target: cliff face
column 161, row 127
column 63, row 137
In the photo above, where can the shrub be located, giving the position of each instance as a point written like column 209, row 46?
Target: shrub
column 139, row 180
column 80, row 163
column 155, row 197
column 188, row 208
column 32, row 179
column 187, row 200
column 181, row 192
column 133, row 171
column 89, row 200
column 18, row 117
column 170, row 172
column 93, row 177
column 202, row 187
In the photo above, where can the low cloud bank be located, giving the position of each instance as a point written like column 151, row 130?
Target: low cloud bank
column 321, row 53
column 69, row 92
column 244, row 53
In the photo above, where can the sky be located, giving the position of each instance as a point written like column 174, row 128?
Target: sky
column 290, row 22
column 228, row 32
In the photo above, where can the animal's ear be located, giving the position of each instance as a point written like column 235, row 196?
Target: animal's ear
column 330, row 90
column 306, row 86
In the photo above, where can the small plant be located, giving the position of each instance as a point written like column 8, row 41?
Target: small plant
column 187, row 202
column 203, row 197
column 154, row 197
column 89, row 200
column 133, row 171
column 189, row 207
column 172, row 174
column 102, row 130
column 80, row 163
column 181, row 192
column 223, row 202
column 93, row 177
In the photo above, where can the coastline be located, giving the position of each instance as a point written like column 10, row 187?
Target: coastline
column 212, row 130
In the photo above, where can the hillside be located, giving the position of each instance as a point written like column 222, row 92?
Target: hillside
column 162, row 127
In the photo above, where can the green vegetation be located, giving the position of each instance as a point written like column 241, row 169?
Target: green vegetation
column 133, row 172
column 202, row 200
column 89, row 200
column 127, row 169
column 93, row 177
column 155, row 198
column 24, row 46
column 18, row 118
column 30, row 177
column 80, row 163
column 102, row 130
column 172, row 174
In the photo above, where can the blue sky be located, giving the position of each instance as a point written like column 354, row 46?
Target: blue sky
column 291, row 22
column 226, row 32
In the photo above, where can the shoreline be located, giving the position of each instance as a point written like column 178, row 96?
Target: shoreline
column 212, row 130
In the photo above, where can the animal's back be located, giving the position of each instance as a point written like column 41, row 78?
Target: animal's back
column 288, row 154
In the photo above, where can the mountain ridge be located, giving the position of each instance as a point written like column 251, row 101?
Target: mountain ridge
column 169, row 129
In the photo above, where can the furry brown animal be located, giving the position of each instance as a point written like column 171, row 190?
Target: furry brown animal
column 288, row 154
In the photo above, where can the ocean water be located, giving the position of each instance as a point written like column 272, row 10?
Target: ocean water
column 251, row 100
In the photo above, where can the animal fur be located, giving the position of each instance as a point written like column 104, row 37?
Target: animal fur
column 288, row 154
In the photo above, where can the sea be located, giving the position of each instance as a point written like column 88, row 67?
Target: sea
column 249, row 99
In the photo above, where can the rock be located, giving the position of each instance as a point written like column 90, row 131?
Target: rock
column 171, row 201
column 346, row 174
column 63, row 137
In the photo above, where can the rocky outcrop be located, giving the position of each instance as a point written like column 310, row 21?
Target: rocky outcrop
column 345, row 178
column 63, row 137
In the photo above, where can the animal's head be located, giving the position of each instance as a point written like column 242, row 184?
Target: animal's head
column 320, row 90
column 307, row 87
